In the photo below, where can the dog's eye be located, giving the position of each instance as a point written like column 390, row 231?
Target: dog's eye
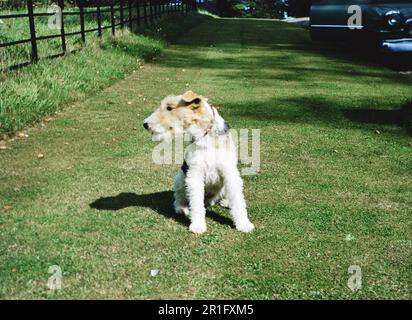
column 169, row 108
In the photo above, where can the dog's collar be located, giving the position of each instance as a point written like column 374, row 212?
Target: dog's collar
column 213, row 121
column 185, row 167
column 213, row 111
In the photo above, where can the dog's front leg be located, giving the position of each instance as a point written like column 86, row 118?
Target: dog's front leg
column 195, row 190
column 180, row 204
column 234, row 190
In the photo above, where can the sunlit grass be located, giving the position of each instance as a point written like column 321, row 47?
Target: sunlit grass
column 333, row 189
column 30, row 93
column 18, row 29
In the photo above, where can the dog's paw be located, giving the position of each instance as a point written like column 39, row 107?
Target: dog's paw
column 198, row 227
column 245, row 226
column 182, row 210
column 224, row 203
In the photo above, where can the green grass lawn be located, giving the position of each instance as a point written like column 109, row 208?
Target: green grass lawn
column 334, row 189
column 18, row 29
column 29, row 94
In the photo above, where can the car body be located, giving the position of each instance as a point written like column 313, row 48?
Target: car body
column 387, row 23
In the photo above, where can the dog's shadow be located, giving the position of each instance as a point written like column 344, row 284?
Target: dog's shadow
column 161, row 202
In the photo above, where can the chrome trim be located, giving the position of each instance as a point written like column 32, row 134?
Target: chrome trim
column 335, row 26
column 392, row 12
column 397, row 45
column 398, row 40
column 389, row 13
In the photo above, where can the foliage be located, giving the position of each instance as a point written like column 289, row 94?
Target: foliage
column 299, row 8
column 251, row 8
column 19, row 4
column 262, row 8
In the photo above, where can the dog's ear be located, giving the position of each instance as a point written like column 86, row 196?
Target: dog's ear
column 191, row 99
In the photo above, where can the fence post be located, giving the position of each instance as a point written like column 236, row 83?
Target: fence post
column 99, row 19
column 160, row 8
column 151, row 10
column 112, row 17
column 145, row 11
column 34, row 56
column 138, row 12
column 62, row 32
column 121, row 14
column 83, row 34
column 129, row 4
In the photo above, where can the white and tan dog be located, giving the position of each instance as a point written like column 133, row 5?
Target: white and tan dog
column 209, row 173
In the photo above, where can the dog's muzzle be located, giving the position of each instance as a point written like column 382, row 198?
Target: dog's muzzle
column 145, row 125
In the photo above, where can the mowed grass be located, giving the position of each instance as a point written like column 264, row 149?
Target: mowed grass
column 333, row 189
column 18, row 29
column 27, row 95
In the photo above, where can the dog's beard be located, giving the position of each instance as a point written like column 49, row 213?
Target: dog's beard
column 195, row 132
column 167, row 135
column 162, row 136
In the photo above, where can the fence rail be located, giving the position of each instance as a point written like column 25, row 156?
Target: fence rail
column 132, row 14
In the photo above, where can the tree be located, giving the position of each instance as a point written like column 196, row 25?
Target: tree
column 265, row 9
column 225, row 7
column 299, row 8
column 250, row 8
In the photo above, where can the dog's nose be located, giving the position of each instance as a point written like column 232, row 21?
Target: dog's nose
column 145, row 125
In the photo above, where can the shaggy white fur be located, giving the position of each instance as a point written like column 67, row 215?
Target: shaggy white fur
column 211, row 175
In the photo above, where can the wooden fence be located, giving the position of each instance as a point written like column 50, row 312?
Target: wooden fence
column 132, row 13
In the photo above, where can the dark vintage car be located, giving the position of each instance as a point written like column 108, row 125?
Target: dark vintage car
column 386, row 23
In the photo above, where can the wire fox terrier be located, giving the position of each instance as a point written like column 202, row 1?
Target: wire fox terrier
column 209, row 173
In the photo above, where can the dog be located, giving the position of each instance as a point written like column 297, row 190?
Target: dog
column 209, row 174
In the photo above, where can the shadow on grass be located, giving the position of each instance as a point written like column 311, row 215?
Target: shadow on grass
column 161, row 202
column 296, row 67
column 172, row 26
column 320, row 110
column 401, row 117
column 294, row 56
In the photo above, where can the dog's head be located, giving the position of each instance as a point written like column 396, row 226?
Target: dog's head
column 188, row 113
